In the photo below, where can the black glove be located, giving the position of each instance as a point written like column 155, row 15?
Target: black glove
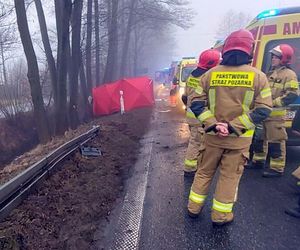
column 184, row 99
column 197, row 107
column 232, row 130
column 211, row 128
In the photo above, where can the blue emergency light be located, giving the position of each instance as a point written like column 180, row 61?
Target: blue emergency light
column 268, row 13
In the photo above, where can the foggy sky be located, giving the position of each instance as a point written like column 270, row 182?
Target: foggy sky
column 206, row 22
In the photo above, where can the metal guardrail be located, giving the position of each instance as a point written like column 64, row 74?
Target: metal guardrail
column 13, row 192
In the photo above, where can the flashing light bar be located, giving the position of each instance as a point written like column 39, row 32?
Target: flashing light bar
column 268, row 13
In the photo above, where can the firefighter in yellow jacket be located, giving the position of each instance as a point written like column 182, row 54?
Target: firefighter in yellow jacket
column 207, row 60
column 234, row 97
column 284, row 85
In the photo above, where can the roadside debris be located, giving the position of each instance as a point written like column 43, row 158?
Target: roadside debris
column 90, row 151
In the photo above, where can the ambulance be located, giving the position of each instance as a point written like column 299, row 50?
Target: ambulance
column 271, row 28
column 184, row 69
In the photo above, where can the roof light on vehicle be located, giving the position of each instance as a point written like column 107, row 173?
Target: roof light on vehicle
column 268, row 13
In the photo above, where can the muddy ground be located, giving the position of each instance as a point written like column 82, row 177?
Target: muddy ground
column 65, row 211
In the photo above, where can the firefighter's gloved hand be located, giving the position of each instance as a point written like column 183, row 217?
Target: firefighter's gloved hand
column 211, row 128
column 222, row 129
column 197, row 108
column 232, row 130
column 184, row 99
column 259, row 132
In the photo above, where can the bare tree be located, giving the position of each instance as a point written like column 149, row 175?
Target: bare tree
column 15, row 95
column 154, row 15
column 63, row 13
column 125, row 47
column 97, row 40
column 75, row 63
column 7, row 44
column 230, row 22
column 88, row 47
column 33, row 73
column 112, row 54
column 47, row 47
column 86, row 107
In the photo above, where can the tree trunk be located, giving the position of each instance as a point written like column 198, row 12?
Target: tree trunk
column 3, row 64
column 75, row 63
column 84, row 92
column 121, row 35
column 47, row 47
column 138, row 36
column 112, row 55
column 33, row 73
column 89, row 30
column 97, row 40
column 63, row 13
column 127, row 39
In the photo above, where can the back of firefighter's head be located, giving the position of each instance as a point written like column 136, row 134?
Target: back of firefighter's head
column 240, row 40
column 209, row 59
column 284, row 52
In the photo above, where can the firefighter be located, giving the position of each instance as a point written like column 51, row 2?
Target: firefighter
column 207, row 59
column 234, row 97
column 174, row 92
column 284, row 85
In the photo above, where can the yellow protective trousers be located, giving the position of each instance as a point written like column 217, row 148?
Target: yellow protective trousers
column 230, row 163
column 195, row 148
column 296, row 173
column 274, row 144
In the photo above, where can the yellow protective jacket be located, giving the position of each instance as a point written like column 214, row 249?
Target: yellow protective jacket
column 238, row 95
column 284, row 86
column 192, row 86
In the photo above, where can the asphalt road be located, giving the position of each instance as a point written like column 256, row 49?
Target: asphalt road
column 260, row 221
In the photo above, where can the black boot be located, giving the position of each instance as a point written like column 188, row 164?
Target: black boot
column 192, row 215
column 255, row 165
column 295, row 185
column 270, row 173
column 189, row 173
column 295, row 212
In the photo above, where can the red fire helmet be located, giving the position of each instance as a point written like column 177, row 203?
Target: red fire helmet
column 285, row 52
column 209, row 59
column 239, row 40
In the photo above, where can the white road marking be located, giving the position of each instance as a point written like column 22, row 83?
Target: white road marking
column 129, row 224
